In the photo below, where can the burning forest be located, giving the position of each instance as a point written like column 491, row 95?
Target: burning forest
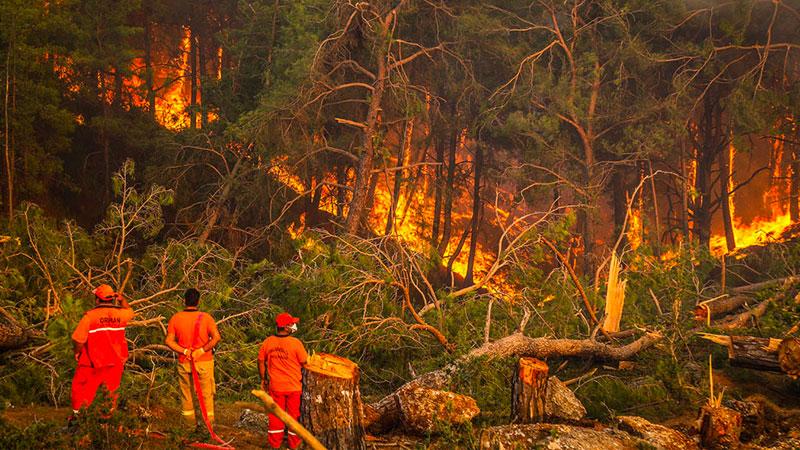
column 400, row 224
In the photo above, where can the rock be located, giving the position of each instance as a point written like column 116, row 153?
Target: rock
column 252, row 420
column 656, row 435
column 421, row 409
column 561, row 402
column 557, row 437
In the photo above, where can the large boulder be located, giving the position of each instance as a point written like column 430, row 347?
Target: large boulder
column 561, row 403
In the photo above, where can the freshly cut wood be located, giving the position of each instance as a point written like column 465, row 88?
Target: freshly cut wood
column 615, row 296
column 789, row 357
column 421, row 410
column 383, row 414
column 749, row 351
column 331, row 408
column 656, row 435
column 720, row 427
column 557, row 436
column 561, row 403
column 12, row 335
column 719, row 307
column 528, row 391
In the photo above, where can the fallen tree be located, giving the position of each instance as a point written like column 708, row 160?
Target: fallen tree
column 12, row 335
column 382, row 414
column 753, row 352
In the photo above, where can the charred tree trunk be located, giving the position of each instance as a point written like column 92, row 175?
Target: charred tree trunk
column 331, row 406
column 725, row 198
column 105, row 139
column 620, row 202
column 720, row 427
column 399, row 174
column 7, row 147
column 449, row 188
column 202, row 47
column 368, row 134
column 477, row 207
column 794, row 186
column 438, row 190
column 192, row 71
column 148, row 62
column 341, row 192
column 529, row 391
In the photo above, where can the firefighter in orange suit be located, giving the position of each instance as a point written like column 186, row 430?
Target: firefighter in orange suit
column 193, row 334
column 100, row 347
column 280, row 358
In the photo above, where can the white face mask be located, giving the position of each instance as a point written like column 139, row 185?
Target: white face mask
column 293, row 328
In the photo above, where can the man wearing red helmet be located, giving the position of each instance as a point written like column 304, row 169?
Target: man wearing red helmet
column 280, row 358
column 100, row 347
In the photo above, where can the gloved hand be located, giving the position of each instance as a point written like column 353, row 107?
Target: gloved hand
column 198, row 353
column 187, row 352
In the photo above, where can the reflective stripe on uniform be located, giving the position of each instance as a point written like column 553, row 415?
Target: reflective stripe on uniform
column 292, row 434
column 106, row 329
column 188, row 413
column 275, row 431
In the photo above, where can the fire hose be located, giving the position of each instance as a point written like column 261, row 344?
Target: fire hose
column 199, row 393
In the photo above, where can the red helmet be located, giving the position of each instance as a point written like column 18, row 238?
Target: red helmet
column 285, row 319
column 105, row 293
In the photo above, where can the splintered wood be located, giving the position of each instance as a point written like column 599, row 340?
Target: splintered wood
column 529, row 391
column 615, row 296
column 331, row 408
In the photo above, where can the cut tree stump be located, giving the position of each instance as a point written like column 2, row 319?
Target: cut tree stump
column 529, row 391
column 331, row 408
column 720, row 427
column 421, row 410
column 789, row 357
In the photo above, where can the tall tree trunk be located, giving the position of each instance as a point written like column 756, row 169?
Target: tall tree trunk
column 477, row 206
column 192, row 71
column 620, row 200
column 202, row 47
column 684, row 189
column 148, row 62
column 8, row 150
column 438, row 190
column 273, row 35
column 794, row 187
column 399, row 174
column 449, row 188
column 369, row 133
column 105, row 139
column 725, row 179
column 341, row 192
